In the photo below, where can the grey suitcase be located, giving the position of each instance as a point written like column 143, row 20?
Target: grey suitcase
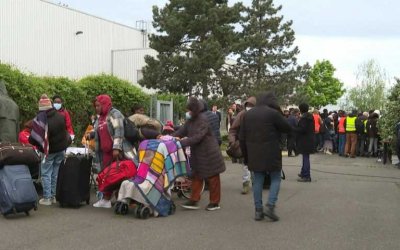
column 17, row 192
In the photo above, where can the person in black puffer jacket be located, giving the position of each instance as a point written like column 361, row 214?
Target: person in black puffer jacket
column 50, row 135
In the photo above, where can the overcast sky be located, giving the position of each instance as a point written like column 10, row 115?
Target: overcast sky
column 346, row 32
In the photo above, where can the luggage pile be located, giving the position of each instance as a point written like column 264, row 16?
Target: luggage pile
column 17, row 192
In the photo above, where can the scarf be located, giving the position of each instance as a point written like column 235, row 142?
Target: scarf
column 40, row 131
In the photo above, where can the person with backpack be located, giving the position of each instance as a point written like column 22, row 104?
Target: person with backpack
column 111, row 144
column 372, row 130
column 361, row 127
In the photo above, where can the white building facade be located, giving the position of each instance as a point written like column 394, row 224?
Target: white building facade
column 46, row 39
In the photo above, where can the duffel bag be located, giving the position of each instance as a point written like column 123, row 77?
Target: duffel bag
column 18, row 154
column 111, row 177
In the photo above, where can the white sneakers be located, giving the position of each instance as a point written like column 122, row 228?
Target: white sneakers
column 103, row 203
column 45, row 202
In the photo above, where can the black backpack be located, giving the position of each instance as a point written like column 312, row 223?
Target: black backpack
column 131, row 133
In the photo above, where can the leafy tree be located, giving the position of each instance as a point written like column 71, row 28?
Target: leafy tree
column 370, row 90
column 194, row 37
column 392, row 113
column 267, row 55
column 321, row 87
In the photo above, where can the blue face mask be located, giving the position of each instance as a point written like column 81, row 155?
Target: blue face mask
column 57, row 106
column 188, row 116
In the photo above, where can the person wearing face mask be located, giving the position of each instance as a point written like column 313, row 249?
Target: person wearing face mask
column 58, row 105
column 233, row 138
column 206, row 159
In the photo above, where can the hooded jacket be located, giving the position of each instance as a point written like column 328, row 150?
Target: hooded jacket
column 206, row 159
column 260, row 134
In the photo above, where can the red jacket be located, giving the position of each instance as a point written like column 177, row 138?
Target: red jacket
column 68, row 122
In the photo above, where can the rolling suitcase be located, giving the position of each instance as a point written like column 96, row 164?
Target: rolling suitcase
column 17, row 192
column 73, row 183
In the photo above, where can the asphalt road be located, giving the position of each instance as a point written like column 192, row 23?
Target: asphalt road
column 350, row 204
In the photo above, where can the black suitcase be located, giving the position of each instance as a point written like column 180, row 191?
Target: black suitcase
column 73, row 183
column 17, row 193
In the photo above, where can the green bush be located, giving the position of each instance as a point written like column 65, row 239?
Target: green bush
column 26, row 89
column 392, row 115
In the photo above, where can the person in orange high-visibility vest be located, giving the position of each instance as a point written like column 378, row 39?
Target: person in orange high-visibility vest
column 318, row 130
column 342, row 132
column 351, row 135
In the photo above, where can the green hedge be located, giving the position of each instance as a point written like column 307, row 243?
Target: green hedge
column 26, row 89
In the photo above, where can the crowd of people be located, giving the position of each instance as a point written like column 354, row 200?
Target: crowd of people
column 258, row 131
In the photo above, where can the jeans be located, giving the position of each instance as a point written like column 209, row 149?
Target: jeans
column 342, row 143
column 49, row 173
column 373, row 145
column 305, row 169
column 273, row 190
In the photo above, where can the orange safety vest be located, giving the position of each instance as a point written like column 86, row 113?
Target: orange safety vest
column 341, row 128
column 317, row 124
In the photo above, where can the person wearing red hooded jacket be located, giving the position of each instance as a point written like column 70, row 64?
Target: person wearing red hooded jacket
column 58, row 105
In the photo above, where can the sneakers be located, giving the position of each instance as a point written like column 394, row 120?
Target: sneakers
column 212, row 207
column 304, row 179
column 259, row 215
column 270, row 213
column 190, row 205
column 53, row 200
column 103, row 203
column 45, row 202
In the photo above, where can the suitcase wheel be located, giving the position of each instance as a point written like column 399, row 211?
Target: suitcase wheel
column 145, row 213
column 87, row 201
column 27, row 213
column 117, row 207
column 172, row 209
column 124, row 209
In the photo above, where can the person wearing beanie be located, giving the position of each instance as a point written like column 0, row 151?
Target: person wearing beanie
column 305, row 141
column 58, row 104
column 49, row 134
column 206, row 158
column 168, row 128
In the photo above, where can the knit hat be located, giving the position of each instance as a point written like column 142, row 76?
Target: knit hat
column 169, row 126
column 45, row 103
column 366, row 114
column 377, row 112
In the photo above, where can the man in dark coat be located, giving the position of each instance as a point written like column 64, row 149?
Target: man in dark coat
column 291, row 137
column 206, row 158
column 9, row 116
column 305, row 141
column 260, row 135
column 213, row 121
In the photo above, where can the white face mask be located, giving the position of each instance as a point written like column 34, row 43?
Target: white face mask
column 57, row 106
column 248, row 108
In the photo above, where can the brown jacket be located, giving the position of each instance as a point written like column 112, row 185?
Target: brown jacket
column 206, row 159
column 233, row 134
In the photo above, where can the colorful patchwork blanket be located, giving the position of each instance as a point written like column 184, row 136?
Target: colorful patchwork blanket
column 160, row 163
